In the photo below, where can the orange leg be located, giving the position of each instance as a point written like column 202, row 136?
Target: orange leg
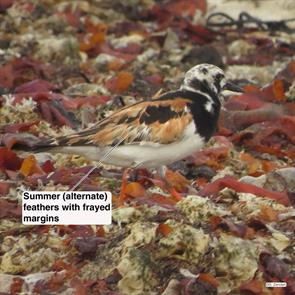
column 162, row 171
column 175, row 194
column 122, row 196
column 167, row 185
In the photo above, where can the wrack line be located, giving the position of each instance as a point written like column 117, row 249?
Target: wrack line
column 98, row 164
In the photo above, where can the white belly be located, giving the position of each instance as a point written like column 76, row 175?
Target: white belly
column 145, row 155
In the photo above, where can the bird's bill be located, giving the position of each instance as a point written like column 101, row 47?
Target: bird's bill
column 232, row 87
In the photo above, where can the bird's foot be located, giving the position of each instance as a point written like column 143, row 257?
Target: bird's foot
column 173, row 182
column 122, row 195
column 175, row 194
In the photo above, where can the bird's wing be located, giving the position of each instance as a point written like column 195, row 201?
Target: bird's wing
column 158, row 121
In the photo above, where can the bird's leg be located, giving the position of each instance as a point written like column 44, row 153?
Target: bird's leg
column 124, row 185
column 162, row 172
column 125, row 175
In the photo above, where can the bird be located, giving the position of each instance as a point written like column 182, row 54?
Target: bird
column 153, row 133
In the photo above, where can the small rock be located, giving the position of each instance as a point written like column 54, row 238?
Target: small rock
column 205, row 54
column 257, row 181
column 279, row 180
column 64, row 49
column 102, row 61
column 171, row 40
column 203, row 171
column 88, row 245
column 85, row 89
column 241, row 48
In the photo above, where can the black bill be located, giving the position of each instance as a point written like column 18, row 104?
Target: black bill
column 232, row 87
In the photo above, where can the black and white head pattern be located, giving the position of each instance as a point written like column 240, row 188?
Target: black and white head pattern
column 204, row 78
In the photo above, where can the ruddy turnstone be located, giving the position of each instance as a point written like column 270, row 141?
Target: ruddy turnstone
column 150, row 134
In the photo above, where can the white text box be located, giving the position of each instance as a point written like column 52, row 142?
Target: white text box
column 69, row 207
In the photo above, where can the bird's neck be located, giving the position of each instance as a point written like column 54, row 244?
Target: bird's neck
column 205, row 109
column 196, row 96
column 208, row 93
column 201, row 88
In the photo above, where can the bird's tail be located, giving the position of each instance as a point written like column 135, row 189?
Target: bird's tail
column 27, row 142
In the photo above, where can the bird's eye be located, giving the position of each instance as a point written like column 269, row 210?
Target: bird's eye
column 219, row 77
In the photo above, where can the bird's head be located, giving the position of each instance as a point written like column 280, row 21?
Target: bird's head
column 207, row 78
